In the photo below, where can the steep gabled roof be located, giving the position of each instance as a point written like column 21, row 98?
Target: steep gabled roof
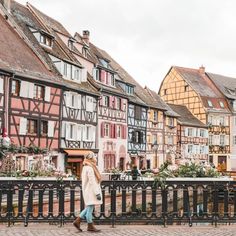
column 123, row 75
column 17, row 57
column 186, row 117
column 227, row 85
column 199, row 82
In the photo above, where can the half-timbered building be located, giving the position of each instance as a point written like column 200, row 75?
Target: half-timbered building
column 78, row 101
column 192, row 136
column 194, row 89
column 136, row 116
column 31, row 106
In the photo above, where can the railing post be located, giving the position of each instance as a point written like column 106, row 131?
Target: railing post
column 113, row 203
column 164, row 205
column 9, row 202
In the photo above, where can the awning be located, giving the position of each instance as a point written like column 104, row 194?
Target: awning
column 75, row 160
column 76, row 152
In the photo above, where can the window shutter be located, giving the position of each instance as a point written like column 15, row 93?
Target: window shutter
column 102, row 129
column 23, row 126
column 111, row 101
column 1, row 85
column 89, row 103
column 111, row 129
column 124, row 132
column 93, row 137
column 47, row 94
column 123, row 105
column 186, row 131
column 24, row 89
column 67, row 127
column 79, row 132
column 84, row 136
column 63, row 129
column 115, row 102
column 78, row 98
column 84, row 75
column 50, row 128
column 95, row 71
column 31, row 90
column 68, row 99
column 115, row 130
column 226, row 139
column 103, row 76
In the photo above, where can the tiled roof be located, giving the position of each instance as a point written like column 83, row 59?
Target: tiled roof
column 24, row 18
column 186, row 117
column 123, row 74
column 17, row 56
column 199, row 82
column 227, row 85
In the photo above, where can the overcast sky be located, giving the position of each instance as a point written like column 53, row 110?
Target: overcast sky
column 147, row 37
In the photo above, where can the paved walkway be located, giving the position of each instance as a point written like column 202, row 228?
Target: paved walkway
column 119, row 230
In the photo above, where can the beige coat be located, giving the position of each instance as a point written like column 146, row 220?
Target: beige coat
column 90, row 187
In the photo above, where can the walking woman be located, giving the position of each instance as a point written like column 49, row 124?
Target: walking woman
column 92, row 194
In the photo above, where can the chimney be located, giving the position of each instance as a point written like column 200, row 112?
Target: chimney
column 202, row 69
column 86, row 34
column 7, row 5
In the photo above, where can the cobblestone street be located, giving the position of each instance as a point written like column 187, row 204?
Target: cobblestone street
column 119, row 230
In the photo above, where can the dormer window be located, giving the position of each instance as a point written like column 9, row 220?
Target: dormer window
column 45, row 40
column 221, row 104
column 69, row 71
column 209, row 103
column 103, row 76
column 42, row 37
column 103, row 62
column 84, row 52
column 129, row 89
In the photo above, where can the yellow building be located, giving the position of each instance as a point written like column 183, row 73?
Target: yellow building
column 194, row 89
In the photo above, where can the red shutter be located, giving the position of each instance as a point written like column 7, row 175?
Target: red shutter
column 115, row 103
column 102, row 129
column 103, row 76
column 111, row 130
column 124, row 132
column 115, row 131
column 110, row 101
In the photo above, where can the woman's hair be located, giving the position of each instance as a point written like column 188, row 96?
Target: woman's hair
column 89, row 156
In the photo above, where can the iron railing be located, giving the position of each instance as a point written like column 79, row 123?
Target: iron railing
column 174, row 202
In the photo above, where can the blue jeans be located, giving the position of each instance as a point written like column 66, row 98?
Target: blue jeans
column 87, row 213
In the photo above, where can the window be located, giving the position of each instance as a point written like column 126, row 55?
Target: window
column 106, row 130
column 118, row 103
column 112, row 80
column 234, row 139
column 155, row 116
column 44, row 128
column 210, row 139
column 71, row 131
column 222, row 120
column 138, row 112
column 73, row 98
column 129, row 89
column 221, row 104
column 202, row 149
column 32, row 126
column 222, row 140
column 186, row 88
column 84, row 52
column 119, row 131
column 190, row 132
column 202, row 133
column 165, row 91
column 137, row 137
column 15, row 87
column 209, row 103
column 88, row 132
column 46, row 40
column 38, row 91
column 106, row 101
column 190, row 148
column 70, row 44
column 154, row 139
column 171, row 121
column 170, row 139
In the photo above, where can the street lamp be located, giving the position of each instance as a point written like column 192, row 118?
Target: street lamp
column 155, row 146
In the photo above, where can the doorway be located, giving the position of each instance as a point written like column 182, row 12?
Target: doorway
column 222, row 163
